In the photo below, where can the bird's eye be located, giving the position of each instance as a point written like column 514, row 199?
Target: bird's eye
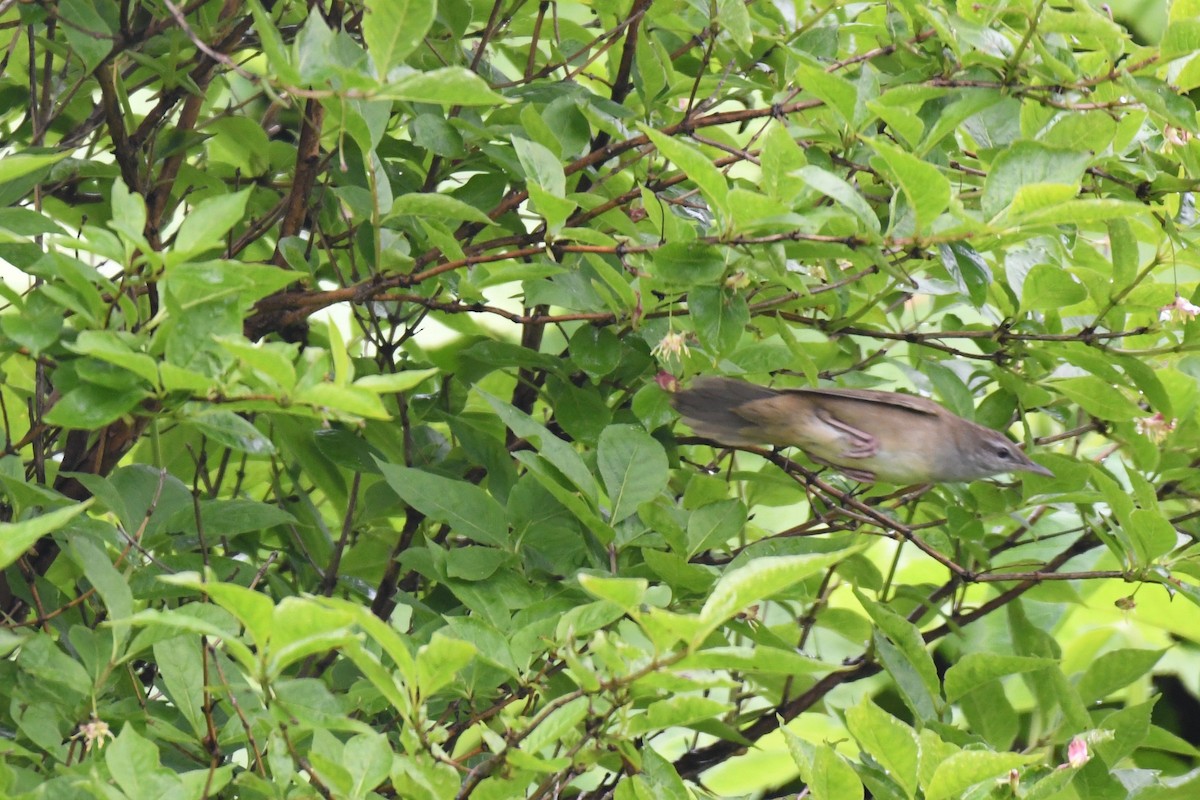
column 1003, row 453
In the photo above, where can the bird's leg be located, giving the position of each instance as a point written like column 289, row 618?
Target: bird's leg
column 861, row 475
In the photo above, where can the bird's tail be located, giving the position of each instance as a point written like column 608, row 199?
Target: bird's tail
column 710, row 408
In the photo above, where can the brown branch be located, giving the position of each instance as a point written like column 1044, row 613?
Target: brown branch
column 382, row 605
column 124, row 152
column 308, row 159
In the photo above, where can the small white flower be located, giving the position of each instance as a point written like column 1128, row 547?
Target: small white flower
column 673, row 345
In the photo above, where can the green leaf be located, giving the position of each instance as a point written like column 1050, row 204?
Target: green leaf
column 695, row 164
column 233, row 431
column 679, row 711
column 253, row 609
column 1163, row 101
column 25, row 163
column 109, row 583
column 392, row 642
column 179, row 661
column 187, row 620
column 761, row 659
column 968, row 269
column 300, row 627
column 595, row 350
column 927, row 189
column 1051, row 287
column 887, row 740
column 720, row 317
column 368, row 759
column 17, row 537
column 467, row 509
column 134, row 763
column 1087, row 23
column 39, row 324
column 975, row 669
column 449, row 86
column 129, row 212
column 541, row 166
column 628, row 593
column 1025, row 163
column 659, row 780
column 714, row 524
column 1098, row 397
column 115, row 348
column 687, row 264
column 1081, row 212
column 475, row 563
column 200, row 284
column 395, row 382
column 27, row 222
column 950, row 117
column 1124, row 246
column 561, row 722
column 834, row 90
column 270, row 362
column 439, row 661
column 273, row 46
column 837, row 189
column 761, row 578
column 89, row 406
column 1182, row 38
column 735, row 22
column 633, row 467
column 1037, row 197
column 1115, row 670
column 967, row 768
column 205, row 226
column 229, row 517
column 393, row 29
column 240, row 142
column 1152, row 534
column 556, row 451
column 436, row 206
column 351, row 401
column 832, row 777
column 910, row 647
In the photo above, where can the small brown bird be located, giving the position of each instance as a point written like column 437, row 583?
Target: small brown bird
column 867, row 435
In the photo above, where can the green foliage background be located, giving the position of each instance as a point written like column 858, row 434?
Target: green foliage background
column 338, row 460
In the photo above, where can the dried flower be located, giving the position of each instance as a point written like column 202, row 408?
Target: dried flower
column 667, row 382
column 1184, row 308
column 738, row 280
column 94, row 731
column 1155, row 427
column 1176, row 137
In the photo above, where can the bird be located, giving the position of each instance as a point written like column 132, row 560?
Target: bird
column 866, row 434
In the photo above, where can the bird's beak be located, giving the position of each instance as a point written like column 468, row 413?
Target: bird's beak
column 1037, row 469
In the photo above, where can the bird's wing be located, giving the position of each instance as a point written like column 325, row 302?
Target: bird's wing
column 793, row 418
column 907, row 402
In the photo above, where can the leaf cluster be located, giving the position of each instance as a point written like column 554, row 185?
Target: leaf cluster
column 337, row 351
